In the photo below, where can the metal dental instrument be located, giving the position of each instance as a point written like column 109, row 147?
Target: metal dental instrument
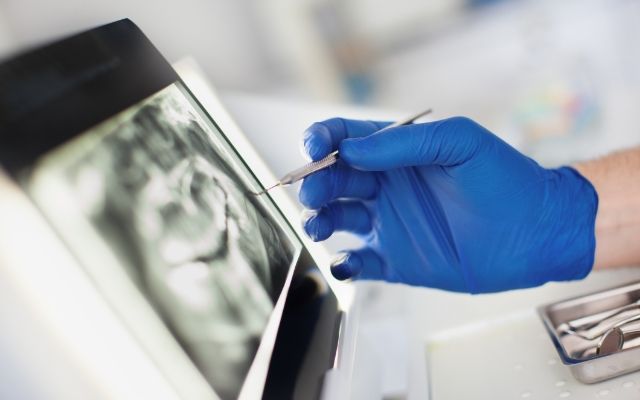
column 332, row 158
column 584, row 326
column 613, row 339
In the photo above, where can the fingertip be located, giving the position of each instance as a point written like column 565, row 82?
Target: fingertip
column 317, row 227
column 316, row 141
column 340, row 269
column 305, row 221
column 341, row 272
column 346, row 266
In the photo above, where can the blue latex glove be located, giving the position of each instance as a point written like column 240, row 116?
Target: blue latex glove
column 447, row 205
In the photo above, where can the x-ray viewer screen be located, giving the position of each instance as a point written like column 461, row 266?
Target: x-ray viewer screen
column 158, row 193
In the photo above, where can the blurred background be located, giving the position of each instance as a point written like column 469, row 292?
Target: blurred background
column 559, row 80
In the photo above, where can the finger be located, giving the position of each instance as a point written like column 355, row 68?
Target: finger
column 338, row 181
column 322, row 138
column 362, row 264
column 447, row 142
column 340, row 215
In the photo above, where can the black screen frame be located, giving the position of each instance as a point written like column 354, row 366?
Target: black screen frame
column 51, row 94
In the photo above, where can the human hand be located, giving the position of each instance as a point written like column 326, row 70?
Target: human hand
column 447, row 205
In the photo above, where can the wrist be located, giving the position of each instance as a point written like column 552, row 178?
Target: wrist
column 616, row 179
column 578, row 219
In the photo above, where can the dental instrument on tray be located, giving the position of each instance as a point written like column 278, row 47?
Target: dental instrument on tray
column 332, row 158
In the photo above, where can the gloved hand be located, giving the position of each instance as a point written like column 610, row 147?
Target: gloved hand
column 447, row 205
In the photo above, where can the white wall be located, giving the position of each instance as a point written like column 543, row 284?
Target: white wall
column 220, row 34
column 6, row 40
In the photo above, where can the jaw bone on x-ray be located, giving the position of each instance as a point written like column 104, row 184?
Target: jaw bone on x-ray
column 207, row 254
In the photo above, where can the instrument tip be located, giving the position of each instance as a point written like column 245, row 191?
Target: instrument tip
column 267, row 189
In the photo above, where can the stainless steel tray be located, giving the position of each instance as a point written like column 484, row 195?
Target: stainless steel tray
column 587, row 366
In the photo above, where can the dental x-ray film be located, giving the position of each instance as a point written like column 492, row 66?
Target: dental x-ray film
column 168, row 197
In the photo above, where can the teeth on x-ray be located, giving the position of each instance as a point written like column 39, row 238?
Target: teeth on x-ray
column 204, row 250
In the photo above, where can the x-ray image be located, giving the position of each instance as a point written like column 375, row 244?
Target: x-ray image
column 169, row 201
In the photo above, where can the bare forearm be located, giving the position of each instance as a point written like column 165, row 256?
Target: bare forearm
column 616, row 178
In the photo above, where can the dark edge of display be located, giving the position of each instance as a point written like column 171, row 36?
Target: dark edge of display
column 50, row 95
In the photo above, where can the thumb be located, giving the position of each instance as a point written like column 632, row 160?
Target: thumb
column 447, row 142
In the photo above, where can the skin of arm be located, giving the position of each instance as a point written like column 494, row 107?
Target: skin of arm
column 616, row 178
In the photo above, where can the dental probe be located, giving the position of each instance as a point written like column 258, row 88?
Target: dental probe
column 332, row 158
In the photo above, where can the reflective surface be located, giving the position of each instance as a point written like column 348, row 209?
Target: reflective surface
column 597, row 335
